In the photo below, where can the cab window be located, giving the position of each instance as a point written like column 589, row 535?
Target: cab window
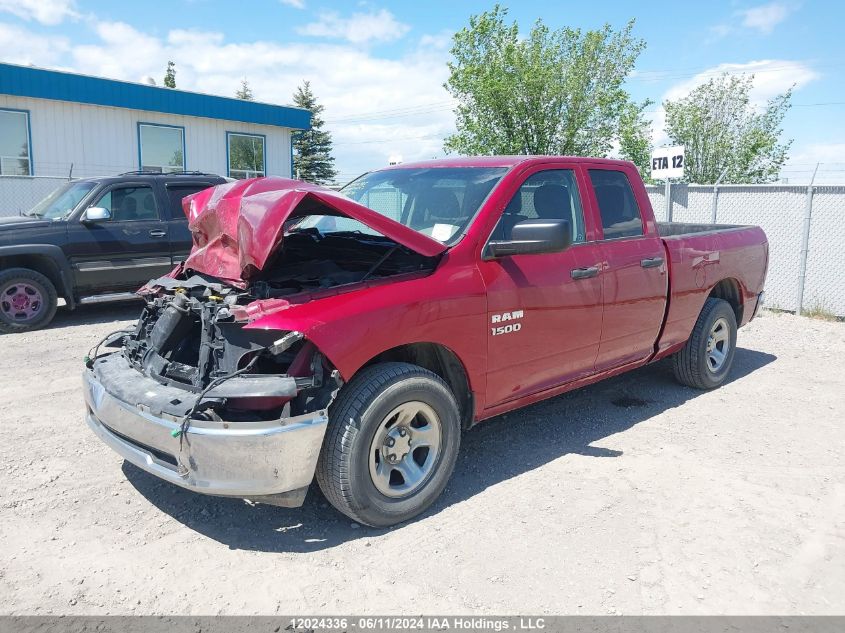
column 175, row 195
column 620, row 215
column 550, row 194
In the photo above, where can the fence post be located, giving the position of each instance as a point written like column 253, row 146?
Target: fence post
column 667, row 194
column 715, row 207
column 805, row 241
column 713, row 210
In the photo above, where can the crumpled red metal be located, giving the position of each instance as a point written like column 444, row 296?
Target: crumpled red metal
column 237, row 227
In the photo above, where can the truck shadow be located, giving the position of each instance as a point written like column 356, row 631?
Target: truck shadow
column 127, row 310
column 494, row 451
column 115, row 312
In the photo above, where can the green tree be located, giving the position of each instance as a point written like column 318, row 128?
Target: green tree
column 722, row 131
column 549, row 92
column 635, row 140
column 244, row 92
column 170, row 75
column 312, row 149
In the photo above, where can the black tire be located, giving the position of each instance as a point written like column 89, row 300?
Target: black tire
column 46, row 307
column 343, row 469
column 691, row 364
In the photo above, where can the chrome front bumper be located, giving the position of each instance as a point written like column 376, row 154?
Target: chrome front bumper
column 270, row 461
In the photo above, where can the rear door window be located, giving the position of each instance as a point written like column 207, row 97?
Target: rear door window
column 620, row 214
column 175, row 194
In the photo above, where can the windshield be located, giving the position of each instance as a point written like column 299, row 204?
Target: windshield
column 438, row 202
column 61, row 202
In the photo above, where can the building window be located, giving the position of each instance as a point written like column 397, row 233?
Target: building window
column 161, row 147
column 246, row 155
column 15, row 156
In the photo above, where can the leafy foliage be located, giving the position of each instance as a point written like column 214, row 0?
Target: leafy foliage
column 550, row 92
column 635, row 140
column 244, row 92
column 723, row 132
column 312, row 158
column 170, row 75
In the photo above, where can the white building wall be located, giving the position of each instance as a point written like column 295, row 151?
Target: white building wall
column 102, row 141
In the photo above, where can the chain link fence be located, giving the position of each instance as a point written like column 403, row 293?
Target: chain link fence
column 805, row 227
column 21, row 193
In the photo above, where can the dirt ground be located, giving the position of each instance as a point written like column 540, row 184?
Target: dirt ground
column 633, row 496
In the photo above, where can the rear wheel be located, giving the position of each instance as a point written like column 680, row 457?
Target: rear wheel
column 391, row 445
column 27, row 300
column 706, row 359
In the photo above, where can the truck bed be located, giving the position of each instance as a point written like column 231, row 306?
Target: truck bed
column 701, row 256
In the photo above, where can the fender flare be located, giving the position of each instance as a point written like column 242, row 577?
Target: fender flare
column 56, row 255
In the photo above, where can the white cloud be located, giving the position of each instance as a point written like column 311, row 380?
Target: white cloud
column 766, row 17
column 441, row 41
column 825, row 153
column 830, row 158
column 763, row 19
column 21, row 46
column 124, row 53
column 44, row 11
column 771, row 78
column 296, row 4
column 359, row 28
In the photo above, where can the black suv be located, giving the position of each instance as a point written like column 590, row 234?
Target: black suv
column 93, row 240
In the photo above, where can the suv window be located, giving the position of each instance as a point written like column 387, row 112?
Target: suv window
column 620, row 215
column 128, row 204
column 550, row 194
column 175, row 194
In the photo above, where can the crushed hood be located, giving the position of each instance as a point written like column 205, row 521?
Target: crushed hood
column 237, row 227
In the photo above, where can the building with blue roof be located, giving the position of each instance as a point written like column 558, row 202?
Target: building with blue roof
column 61, row 124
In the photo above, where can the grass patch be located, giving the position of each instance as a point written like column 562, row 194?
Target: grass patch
column 820, row 312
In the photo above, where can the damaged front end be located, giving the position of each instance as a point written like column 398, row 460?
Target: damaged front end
column 188, row 337
column 195, row 396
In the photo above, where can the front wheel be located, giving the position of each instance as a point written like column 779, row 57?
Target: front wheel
column 706, row 359
column 391, row 446
column 27, row 300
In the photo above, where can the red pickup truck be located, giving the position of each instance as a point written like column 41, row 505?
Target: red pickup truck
column 355, row 335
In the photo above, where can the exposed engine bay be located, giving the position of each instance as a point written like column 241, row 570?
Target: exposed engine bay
column 311, row 260
column 191, row 333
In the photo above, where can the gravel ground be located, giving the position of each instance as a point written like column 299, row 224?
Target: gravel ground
column 633, row 496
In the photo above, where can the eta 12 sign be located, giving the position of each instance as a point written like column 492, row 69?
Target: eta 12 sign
column 667, row 162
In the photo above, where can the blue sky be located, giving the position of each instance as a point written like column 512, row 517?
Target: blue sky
column 378, row 67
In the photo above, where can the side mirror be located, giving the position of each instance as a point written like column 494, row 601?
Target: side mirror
column 96, row 214
column 531, row 237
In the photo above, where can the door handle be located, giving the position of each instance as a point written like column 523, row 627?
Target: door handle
column 584, row 273
column 652, row 262
column 157, row 233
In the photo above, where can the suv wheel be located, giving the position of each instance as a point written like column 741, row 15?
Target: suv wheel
column 27, row 300
column 391, row 446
